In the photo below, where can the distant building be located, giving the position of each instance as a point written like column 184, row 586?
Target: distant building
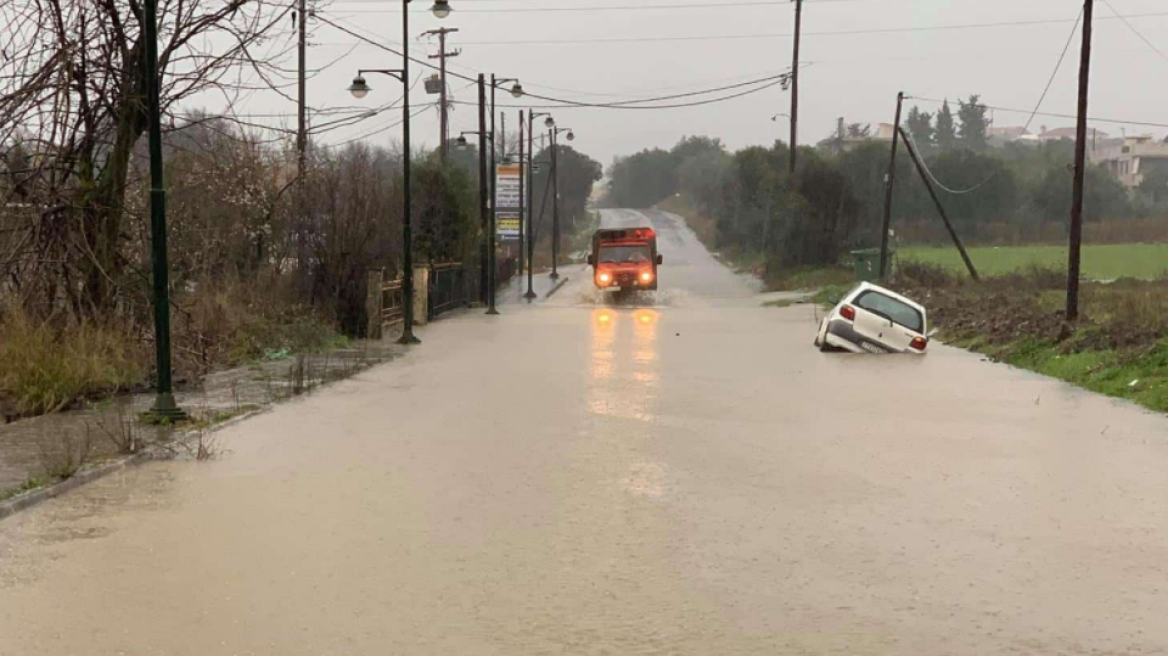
column 1132, row 159
column 845, row 143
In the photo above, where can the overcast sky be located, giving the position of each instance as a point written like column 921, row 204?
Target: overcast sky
column 853, row 75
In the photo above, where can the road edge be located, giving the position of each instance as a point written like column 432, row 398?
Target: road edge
column 32, row 498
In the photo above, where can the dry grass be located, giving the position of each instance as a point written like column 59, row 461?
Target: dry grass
column 46, row 369
column 63, row 457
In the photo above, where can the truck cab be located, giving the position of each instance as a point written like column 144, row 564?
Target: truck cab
column 625, row 259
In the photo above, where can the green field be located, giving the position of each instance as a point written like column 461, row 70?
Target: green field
column 1100, row 262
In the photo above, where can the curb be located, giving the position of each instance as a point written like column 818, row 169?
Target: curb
column 559, row 284
column 34, row 497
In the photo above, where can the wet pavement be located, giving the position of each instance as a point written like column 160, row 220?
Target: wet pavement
column 687, row 476
column 26, row 446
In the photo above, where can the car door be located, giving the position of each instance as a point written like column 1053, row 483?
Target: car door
column 874, row 323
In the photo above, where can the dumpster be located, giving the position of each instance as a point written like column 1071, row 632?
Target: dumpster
column 867, row 264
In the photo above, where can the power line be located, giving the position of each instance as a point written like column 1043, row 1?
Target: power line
column 1135, row 31
column 781, row 35
column 767, row 83
column 1054, row 74
column 603, row 8
column 1013, row 110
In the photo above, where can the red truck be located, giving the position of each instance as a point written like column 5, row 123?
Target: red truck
column 625, row 259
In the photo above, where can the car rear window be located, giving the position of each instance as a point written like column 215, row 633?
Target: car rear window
column 891, row 309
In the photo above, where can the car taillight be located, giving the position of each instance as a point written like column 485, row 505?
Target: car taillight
column 919, row 343
column 848, row 312
column 646, row 276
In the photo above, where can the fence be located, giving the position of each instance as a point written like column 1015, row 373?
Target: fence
column 385, row 303
column 450, row 288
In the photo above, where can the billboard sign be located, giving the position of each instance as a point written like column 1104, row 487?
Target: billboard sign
column 507, row 207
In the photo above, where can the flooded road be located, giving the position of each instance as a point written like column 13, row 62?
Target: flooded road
column 685, row 477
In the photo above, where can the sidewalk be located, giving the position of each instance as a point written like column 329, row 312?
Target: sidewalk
column 26, row 445
column 515, row 289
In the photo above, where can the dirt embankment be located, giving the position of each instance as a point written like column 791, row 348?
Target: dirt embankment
column 1118, row 347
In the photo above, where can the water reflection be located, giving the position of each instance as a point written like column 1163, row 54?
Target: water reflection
column 625, row 364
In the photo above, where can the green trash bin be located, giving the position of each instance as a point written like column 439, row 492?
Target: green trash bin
column 867, row 264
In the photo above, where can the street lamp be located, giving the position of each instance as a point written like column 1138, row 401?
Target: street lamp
column 556, row 195
column 360, row 89
column 550, row 123
column 164, row 409
column 517, row 91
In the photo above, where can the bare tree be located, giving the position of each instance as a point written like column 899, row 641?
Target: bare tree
column 72, row 109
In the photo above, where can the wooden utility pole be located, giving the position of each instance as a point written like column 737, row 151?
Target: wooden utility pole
column 443, row 101
column 795, row 85
column 916, row 158
column 891, row 182
column 1075, row 260
column 302, row 92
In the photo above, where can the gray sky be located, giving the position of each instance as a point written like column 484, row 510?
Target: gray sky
column 851, row 75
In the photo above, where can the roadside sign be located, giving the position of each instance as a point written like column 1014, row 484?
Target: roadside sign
column 507, row 206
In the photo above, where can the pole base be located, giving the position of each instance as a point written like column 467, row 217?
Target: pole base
column 530, row 295
column 408, row 338
column 165, row 411
column 554, row 275
column 492, row 311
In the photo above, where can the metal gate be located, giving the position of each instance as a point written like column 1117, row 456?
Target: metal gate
column 450, row 288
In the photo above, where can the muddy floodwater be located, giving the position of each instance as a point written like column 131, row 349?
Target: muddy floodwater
column 688, row 476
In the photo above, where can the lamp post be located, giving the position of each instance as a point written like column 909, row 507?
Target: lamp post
column 550, row 123
column 485, row 214
column 165, row 409
column 360, row 89
column 492, row 255
column 555, row 133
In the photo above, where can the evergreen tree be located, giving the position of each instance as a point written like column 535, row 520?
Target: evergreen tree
column 975, row 124
column 920, row 127
column 946, row 130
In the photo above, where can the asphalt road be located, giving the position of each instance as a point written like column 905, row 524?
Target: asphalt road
column 685, row 477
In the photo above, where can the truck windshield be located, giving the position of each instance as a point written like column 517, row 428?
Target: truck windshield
column 624, row 254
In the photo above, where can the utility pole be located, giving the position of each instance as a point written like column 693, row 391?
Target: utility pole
column 531, row 295
column 302, row 93
column 1075, row 261
column 916, row 158
column 890, row 182
column 522, row 192
column 444, row 102
column 407, row 336
column 484, row 254
column 555, row 205
column 795, row 85
column 492, row 247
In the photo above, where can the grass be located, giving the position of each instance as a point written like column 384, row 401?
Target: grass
column 27, row 486
column 1118, row 348
column 43, row 369
column 809, row 278
column 1100, row 261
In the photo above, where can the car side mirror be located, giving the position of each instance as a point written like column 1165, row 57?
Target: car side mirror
column 660, row 260
column 591, row 260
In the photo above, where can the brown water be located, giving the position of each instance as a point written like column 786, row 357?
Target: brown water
column 27, row 445
column 573, row 478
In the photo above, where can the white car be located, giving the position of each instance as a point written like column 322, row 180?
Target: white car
column 871, row 319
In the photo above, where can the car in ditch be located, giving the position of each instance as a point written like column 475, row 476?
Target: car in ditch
column 872, row 319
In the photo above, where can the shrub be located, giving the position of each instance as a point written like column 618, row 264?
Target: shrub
column 45, row 370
